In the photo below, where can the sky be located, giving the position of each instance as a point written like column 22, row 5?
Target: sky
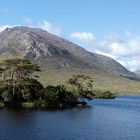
column 108, row 27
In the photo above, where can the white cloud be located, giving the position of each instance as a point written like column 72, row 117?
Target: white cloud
column 83, row 36
column 125, row 49
column 131, row 63
column 128, row 47
column 5, row 10
column 103, row 53
column 46, row 25
column 27, row 21
column 3, row 27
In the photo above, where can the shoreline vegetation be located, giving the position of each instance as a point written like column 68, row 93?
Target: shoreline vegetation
column 19, row 87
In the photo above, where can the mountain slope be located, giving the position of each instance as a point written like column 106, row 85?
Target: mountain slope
column 50, row 51
column 137, row 72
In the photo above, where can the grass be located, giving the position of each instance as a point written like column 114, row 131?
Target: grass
column 1, row 105
column 5, row 57
column 102, row 81
column 27, row 105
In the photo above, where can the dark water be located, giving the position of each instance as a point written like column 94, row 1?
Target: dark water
column 117, row 119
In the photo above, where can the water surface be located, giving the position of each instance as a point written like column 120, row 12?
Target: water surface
column 117, row 119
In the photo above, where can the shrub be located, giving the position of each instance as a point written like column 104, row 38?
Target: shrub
column 104, row 94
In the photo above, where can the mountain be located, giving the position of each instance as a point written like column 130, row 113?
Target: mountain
column 137, row 72
column 50, row 51
column 59, row 59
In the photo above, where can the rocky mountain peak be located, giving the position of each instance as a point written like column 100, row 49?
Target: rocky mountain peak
column 49, row 50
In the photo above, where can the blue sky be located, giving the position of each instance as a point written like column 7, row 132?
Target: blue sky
column 110, row 27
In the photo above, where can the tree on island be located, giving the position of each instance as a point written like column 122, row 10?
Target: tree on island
column 83, row 85
column 19, row 85
column 17, row 78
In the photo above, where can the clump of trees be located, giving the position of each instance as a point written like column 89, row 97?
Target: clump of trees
column 17, row 81
column 82, row 85
column 56, row 97
column 104, row 94
column 19, row 86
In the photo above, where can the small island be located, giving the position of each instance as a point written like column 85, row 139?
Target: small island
column 20, row 87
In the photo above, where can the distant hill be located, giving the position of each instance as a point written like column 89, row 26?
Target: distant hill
column 50, row 51
column 137, row 72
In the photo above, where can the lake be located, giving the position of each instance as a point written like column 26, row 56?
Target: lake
column 117, row 119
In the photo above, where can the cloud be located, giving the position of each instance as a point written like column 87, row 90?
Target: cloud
column 125, row 49
column 27, row 21
column 46, row 25
column 5, row 10
column 131, row 63
column 3, row 27
column 83, row 36
column 128, row 47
